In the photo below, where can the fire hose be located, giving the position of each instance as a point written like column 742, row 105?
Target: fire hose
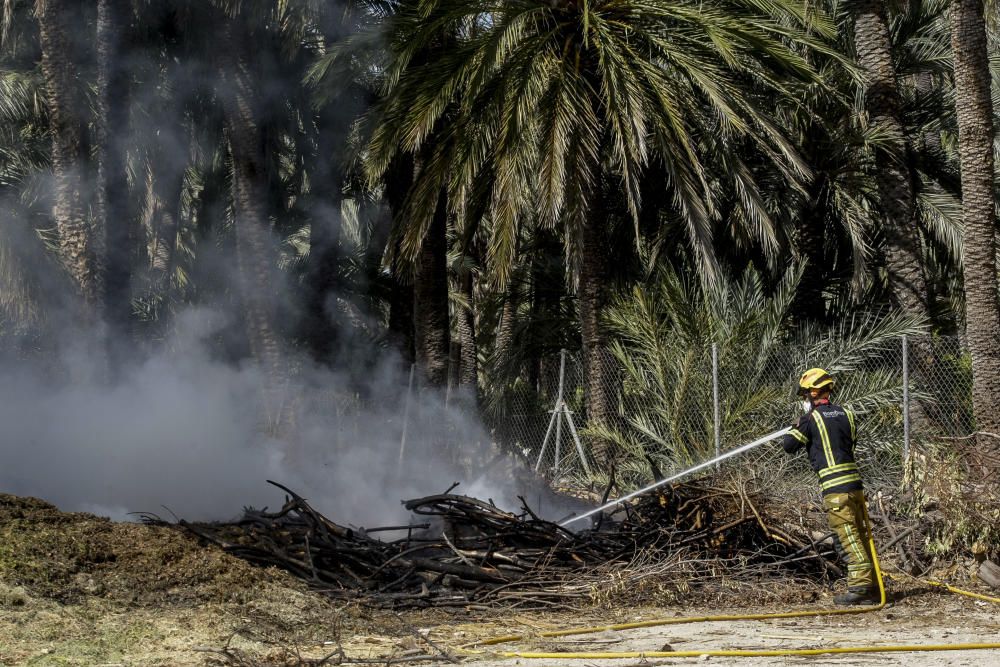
column 747, row 653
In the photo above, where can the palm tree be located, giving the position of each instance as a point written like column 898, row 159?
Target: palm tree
column 432, row 326
column 163, row 176
column 558, row 105
column 893, row 164
column 111, row 121
column 469, row 359
column 77, row 242
column 465, row 319
column 974, row 109
column 398, row 180
column 255, row 248
column 346, row 77
column 341, row 83
column 25, row 145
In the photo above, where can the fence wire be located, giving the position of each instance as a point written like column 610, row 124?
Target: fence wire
column 669, row 413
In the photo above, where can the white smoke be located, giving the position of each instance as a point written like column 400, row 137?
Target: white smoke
column 182, row 424
column 186, row 430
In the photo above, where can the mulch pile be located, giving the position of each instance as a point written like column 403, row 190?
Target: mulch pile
column 70, row 556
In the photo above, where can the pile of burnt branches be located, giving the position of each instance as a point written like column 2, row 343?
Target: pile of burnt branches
column 460, row 550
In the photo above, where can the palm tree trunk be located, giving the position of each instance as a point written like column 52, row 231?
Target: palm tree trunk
column 398, row 179
column 430, row 300
column 111, row 123
column 504, row 341
column 401, row 299
column 321, row 279
column 78, row 246
column 161, row 214
column 593, row 296
column 534, row 360
column 167, row 159
column 320, row 283
column 907, row 280
column 255, row 250
column 930, row 141
column 975, row 147
column 165, row 190
column 546, row 284
column 468, row 377
column 809, row 245
column 908, row 285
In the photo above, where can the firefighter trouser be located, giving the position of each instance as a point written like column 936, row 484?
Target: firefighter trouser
column 846, row 512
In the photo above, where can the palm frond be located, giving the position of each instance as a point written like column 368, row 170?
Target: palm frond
column 663, row 336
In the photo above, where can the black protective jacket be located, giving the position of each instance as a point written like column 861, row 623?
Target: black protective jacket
column 827, row 432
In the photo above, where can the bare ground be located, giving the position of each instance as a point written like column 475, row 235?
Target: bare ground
column 80, row 590
column 926, row 619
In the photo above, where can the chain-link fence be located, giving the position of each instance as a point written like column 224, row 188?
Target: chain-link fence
column 668, row 412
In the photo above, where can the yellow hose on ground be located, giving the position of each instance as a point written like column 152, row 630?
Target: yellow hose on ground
column 949, row 588
column 757, row 653
column 959, row 591
column 617, row 627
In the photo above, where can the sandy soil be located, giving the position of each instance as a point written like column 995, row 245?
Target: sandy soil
column 98, row 633
column 930, row 619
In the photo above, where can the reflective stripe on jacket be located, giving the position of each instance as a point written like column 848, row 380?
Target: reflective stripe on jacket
column 828, row 433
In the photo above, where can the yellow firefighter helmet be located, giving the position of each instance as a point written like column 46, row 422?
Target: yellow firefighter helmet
column 815, row 379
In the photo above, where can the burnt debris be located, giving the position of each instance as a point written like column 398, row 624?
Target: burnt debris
column 461, row 551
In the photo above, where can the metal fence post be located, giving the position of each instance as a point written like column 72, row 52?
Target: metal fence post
column 906, row 400
column 558, row 410
column 716, row 422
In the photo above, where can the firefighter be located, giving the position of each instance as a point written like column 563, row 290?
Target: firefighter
column 827, row 431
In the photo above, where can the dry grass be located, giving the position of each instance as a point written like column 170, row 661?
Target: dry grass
column 957, row 494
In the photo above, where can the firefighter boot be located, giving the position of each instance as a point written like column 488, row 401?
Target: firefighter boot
column 857, row 596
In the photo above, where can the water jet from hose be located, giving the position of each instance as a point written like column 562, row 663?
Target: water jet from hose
column 701, row 466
